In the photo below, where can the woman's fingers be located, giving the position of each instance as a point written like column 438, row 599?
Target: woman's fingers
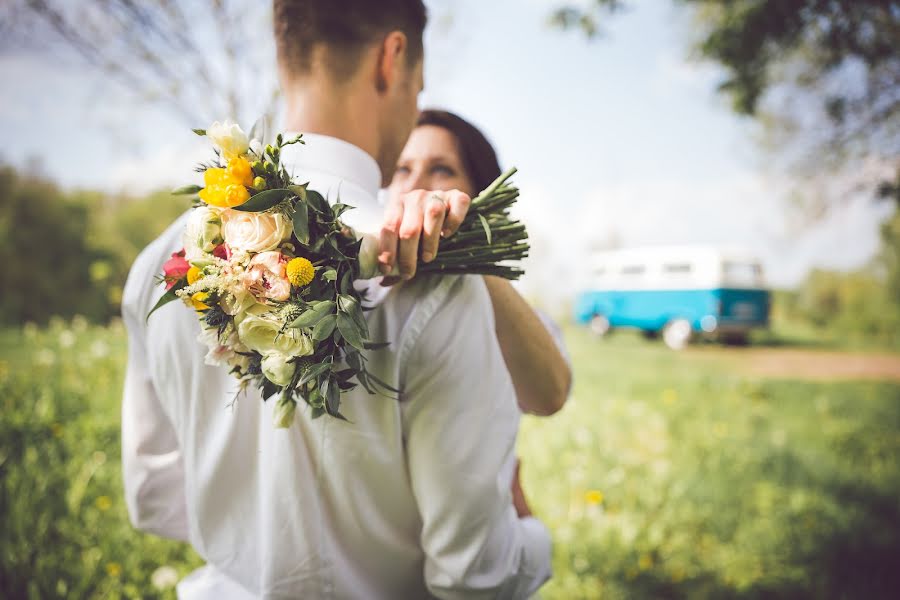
column 390, row 233
column 458, row 205
column 435, row 211
column 410, row 232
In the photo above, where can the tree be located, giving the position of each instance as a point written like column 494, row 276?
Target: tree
column 823, row 76
column 203, row 60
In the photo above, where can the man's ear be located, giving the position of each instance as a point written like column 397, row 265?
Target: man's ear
column 391, row 59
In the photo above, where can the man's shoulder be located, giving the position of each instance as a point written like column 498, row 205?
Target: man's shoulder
column 141, row 279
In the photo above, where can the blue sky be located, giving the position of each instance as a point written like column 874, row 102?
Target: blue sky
column 621, row 137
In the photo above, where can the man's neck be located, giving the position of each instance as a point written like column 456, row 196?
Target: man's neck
column 334, row 113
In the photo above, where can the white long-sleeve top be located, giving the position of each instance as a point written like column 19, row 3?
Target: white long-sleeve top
column 411, row 499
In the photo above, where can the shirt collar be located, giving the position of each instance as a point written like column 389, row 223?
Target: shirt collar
column 333, row 157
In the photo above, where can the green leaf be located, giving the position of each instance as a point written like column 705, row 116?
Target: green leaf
column 329, row 275
column 324, row 328
column 200, row 132
column 340, row 209
column 347, row 282
column 318, row 202
column 487, row 228
column 186, row 190
column 313, row 315
column 350, row 331
column 265, row 200
column 167, row 297
column 300, row 190
column 301, row 223
column 314, row 372
column 347, row 303
column 376, row 345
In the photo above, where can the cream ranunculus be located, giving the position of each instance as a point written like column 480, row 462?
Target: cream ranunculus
column 254, row 232
column 259, row 332
column 202, row 233
column 229, row 137
column 277, row 368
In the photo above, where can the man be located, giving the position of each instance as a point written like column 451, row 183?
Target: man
column 410, row 499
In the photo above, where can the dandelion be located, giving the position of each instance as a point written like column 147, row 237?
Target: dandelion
column 645, row 562
column 66, row 339
column 164, row 577
column 104, row 503
column 593, row 497
column 113, row 569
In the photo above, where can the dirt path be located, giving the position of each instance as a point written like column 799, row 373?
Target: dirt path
column 813, row 364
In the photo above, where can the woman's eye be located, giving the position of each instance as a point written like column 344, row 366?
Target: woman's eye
column 443, row 170
column 402, row 170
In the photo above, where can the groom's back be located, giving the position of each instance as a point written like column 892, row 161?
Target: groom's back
column 329, row 508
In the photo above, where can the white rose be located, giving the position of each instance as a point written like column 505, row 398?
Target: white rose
column 283, row 415
column 261, row 334
column 229, row 137
column 202, row 233
column 254, row 232
column 277, row 368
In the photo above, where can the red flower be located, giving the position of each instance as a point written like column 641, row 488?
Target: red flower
column 175, row 269
column 222, row 251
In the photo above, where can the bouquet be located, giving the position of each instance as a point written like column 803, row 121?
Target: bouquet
column 269, row 268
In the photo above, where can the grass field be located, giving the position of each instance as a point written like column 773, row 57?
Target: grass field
column 668, row 475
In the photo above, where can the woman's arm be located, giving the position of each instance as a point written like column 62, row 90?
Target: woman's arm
column 540, row 373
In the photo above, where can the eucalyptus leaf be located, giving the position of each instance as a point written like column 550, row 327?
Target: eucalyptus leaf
column 265, row 200
column 313, row 315
column 324, row 328
column 301, row 223
column 350, row 331
column 318, row 202
column 300, row 190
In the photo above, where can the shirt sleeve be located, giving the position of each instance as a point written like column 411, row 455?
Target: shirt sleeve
column 152, row 468
column 460, row 425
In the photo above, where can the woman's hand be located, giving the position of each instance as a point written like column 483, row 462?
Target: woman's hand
column 424, row 215
column 518, row 495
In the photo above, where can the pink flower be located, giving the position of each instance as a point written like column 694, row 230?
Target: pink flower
column 175, row 269
column 266, row 277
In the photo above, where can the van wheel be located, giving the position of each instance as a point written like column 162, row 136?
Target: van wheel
column 736, row 338
column 599, row 325
column 677, row 334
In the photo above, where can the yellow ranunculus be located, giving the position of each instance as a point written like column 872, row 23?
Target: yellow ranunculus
column 239, row 171
column 215, row 176
column 214, row 195
column 235, row 195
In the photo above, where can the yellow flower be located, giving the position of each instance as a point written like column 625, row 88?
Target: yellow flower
column 215, row 176
column 239, row 171
column 259, row 183
column 300, row 271
column 193, row 274
column 198, row 300
column 593, row 497
column 645, row 562
column 113, row 569
column 214, row 195
column 104, row 503
column 235, row 195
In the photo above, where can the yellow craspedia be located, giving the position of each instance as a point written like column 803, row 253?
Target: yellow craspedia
column 193, row 274
column 198, row 301
column 300, row 271
column 239, row 171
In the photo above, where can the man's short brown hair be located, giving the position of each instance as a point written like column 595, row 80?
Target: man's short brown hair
column 345, row 27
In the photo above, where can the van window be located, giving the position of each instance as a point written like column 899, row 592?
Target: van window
column 677, row 268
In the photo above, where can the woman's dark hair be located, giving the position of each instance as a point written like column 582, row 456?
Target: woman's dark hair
column 478, row 156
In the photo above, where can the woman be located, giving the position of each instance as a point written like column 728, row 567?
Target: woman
column 446, row 152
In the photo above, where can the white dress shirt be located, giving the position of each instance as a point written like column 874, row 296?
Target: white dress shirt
column 411, row 499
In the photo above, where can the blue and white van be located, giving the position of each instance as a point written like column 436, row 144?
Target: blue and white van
column 677, row 291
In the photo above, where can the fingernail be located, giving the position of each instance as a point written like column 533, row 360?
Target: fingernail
column 427, row 256
column 385, row 269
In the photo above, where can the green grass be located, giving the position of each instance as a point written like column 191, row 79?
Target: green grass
column 668, row 475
